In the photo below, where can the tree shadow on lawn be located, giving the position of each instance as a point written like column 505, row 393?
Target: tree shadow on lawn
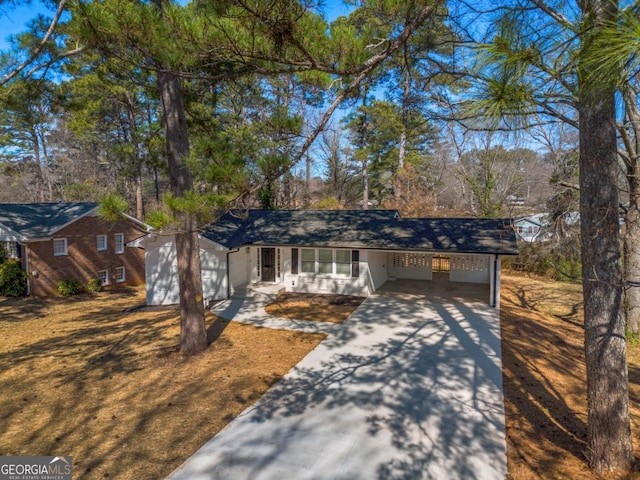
column 108, row 390
column 534, row 300
column 15, row 309
column 545, row 389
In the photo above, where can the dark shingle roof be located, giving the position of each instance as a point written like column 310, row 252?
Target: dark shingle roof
column 41, row 220
column 365, row 229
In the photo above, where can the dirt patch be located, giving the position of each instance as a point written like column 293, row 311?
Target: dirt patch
column 314, row 307
column 545, row 380
column 96, row 378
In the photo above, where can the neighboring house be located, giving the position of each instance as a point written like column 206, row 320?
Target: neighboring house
column 528, row 228
column 58, row 241
column 344, row 252
column 539, row 227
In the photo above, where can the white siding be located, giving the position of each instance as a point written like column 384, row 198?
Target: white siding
column 469, row 268
column 161, row 271
column 410, row 265
column 239, row 267
column 214, row 272
column 376, row 262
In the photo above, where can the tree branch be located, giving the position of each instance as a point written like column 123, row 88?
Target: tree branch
column 43, row 42
column 367, row 67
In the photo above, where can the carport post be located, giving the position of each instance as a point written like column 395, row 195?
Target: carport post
column 494, row 281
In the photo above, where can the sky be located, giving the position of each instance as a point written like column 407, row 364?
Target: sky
column 14, row 19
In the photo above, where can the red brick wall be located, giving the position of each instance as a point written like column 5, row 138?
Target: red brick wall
column 83, row 260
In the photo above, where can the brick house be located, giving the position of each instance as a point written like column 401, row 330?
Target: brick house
column 58, row 241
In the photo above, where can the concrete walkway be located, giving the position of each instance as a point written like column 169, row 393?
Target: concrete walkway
column 409, row 387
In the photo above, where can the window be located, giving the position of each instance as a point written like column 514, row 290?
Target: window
column 308, row 260
column 101, row 243
column 11, row 249
column 343, row 262
column 119, row 274
column 59, row 246
column 347, row 262
column 258, row 261
column 278, row 264
column 355, row 263
column 119, row 241
column 103, row 276
column 325, row 261
column 294, row 261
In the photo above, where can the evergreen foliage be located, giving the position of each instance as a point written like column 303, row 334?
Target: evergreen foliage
column 69, row 287
column 13, row 279
column 94, row 285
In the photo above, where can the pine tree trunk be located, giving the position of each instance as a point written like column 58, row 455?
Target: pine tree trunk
column 307, row 182
column 139, row 197
column 365, row 186
column 402, row 148
column 608, row 427
column 193, row 336
column 632, row 216
column 632, row 252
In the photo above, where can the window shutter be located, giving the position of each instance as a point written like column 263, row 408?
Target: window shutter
column 355, row 263
column 294, row 261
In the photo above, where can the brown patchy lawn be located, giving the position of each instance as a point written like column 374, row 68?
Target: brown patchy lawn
column 98, row 379
column 544, row 380
column 314, row 307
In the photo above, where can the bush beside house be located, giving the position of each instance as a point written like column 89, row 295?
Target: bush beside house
column 13, row 279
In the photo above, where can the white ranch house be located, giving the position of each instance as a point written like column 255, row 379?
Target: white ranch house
column 344, row 251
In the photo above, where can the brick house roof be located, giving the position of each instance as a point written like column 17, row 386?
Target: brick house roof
column 41, row 220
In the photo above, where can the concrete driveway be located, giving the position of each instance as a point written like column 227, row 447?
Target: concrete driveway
column 409, row 387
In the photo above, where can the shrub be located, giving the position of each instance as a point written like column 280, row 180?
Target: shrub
column 94, row 285
column 13, row 279
column 69, row 287
column 560, row 262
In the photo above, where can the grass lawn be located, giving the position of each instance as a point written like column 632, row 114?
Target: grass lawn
column 545, row 380
column 98, row 379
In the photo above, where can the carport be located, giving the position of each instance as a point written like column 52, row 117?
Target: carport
column 437, row 290
column 479, row 272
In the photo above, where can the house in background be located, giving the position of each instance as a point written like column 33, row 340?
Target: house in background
column 342, row 252
column 59, row 241
column 528, row 228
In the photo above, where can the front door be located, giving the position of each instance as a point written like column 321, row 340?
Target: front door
column 268, row 259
